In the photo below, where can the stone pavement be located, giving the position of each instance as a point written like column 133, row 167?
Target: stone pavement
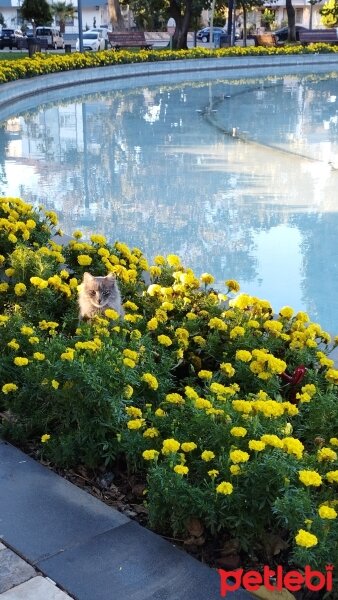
column 90, row 551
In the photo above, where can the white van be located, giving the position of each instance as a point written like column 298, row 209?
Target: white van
column 52, row 35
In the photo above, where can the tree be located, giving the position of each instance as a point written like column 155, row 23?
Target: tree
column 63, row 11
column 185, row 12
column 246, row 6
column 115, row 15
column 291, row 13
column 329, row 13
column 37, row 11
column 2, row 20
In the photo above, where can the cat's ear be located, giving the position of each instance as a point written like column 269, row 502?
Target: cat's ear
column 87, row 278
column 111, row 275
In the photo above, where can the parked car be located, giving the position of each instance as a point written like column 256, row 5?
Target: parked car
column 283, row 33
column 9, row 38
column 104, row 34
column 203, row 35
column 92, row 40
column 52, row 35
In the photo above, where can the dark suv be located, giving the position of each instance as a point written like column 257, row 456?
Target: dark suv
column 8, row 38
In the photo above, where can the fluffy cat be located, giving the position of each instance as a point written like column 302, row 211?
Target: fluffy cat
column 97, row 294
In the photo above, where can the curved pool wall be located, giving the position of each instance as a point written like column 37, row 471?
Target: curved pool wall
column 22, row 95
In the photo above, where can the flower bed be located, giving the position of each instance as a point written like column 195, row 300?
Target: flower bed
column 228, row 411
column 42, row 64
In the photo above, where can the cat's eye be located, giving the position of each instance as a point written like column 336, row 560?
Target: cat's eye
column 105, row 294
column 92, row 293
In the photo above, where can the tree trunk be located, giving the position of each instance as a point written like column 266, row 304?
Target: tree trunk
column 291, row 13
column 244, row 25
column 182, row 24
column 115, row 15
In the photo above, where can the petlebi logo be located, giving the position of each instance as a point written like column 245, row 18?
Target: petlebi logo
column 276, row 580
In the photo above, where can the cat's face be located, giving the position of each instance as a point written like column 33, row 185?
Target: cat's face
column 99, row 290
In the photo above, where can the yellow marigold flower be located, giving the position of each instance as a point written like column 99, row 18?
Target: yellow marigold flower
column 110, row 313
column 152, row 324
column 159, row 260
column 135, row 424
column 227, row 369
column 290, row 409
column 272, row 440
column 133, row 411
column 326, row 454
column 203, row 404
column 128, row 362
column 150, row 454
column 20, row 289
column 168, row 306
column 51, row 216
column 326, row 512
column 26, row 330
column 287, row 312
column 98, row 239
column 243, row 406
column 84, row 260
column 273, row 326
column 238, row 431
column 213, row 473
column 155, row 271
column 12, row 238
column 3, row 319
column 150, row 380
column 293, row 446
column 190, row 393
column 9, row 387
column 225, row 488
column 203, row 374
column 39, row 356
column 164, row 340
column 305, row 539
column 216, row 323
column 159, row 412
column 170, row 445
column 238, row 456
column 332, row 476
column 310, row 478
column 151, row 432
column 233, row 285
column 4, row 287
column 130, row 305
column 154, row 289
column 253, row 324
column 207, row 455
column 332, row 376
column 181, row 470
column 130, row 354
column 55, row 384
column 45, row 437
column 13, row 344
column 20, row 361
column 174, row 398
column 173, row 260
column 218, row 388
column 235, row 469
column 188, row 446
column 243, row 355
column 334, row 441
column 69, row 355
column 236, row 332
column 207, row 278
column 256, row 445
column 128, row 391
column 38, row 282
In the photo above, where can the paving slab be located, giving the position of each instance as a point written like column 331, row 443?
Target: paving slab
column 41, row 513
column 13, row 570
column 132, row 563
column 38, row 588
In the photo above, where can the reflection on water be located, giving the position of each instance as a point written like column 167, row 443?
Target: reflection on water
column 237, row 177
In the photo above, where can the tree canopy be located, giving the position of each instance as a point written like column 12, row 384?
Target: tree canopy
column 63, row 11
column 38, row 11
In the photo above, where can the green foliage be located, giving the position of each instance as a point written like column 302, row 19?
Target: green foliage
column 38, row 11
column 63, row 11
column 229, row 411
